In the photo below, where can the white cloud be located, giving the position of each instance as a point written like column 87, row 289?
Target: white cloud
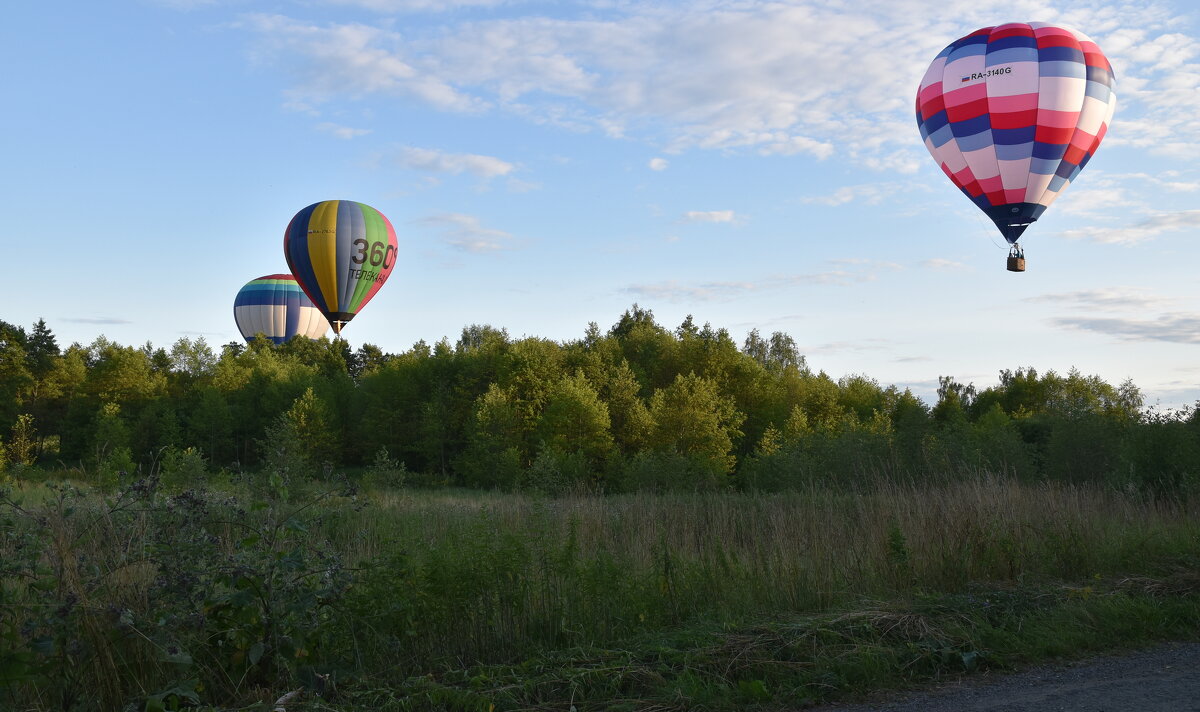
column 352, row 59
column 1159, row 79
column 96, row 320
column 672, row 291
column 857, row 271
column 1181, row 328
column 859, row 262
column 868, row 193
column 1167, row 181
column 821, row 79
column 1093, row 199
column 1107, row 299
column 342, row 131
column 868, row 344
column 1141, row 231
column 944, row 265
column 712, row 216
column 418, row 5
column 465, row 233
column 431, row 160
column 516, row 185
column 184, row 4
column 1099, row 312
column 657, row 164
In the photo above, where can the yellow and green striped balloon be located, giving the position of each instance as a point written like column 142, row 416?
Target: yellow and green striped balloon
column 341, row 252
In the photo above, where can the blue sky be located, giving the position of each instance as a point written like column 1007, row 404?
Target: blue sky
column 548, row 164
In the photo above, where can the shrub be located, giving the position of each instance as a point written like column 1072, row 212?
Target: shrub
column 184, row 468
column 385, row 472
column 555, row 472
column 671, row 472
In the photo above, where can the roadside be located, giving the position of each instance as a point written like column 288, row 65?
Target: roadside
column 1165, row 678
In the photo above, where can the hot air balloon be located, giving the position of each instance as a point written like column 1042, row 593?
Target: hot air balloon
column 341, row 252
column 1012, row 113
column 276, row 307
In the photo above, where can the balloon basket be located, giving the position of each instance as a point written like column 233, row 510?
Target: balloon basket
column 1016, row 259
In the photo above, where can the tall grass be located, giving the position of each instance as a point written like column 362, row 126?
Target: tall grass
column 221, row 599
column 492, row 577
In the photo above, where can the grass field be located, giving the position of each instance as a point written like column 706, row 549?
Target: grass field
column 415, row 599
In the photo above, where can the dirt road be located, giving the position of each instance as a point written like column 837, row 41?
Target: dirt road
column 1161, row 679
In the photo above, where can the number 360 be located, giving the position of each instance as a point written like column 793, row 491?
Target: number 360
column 378, row 254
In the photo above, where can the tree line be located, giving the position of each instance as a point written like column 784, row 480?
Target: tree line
column 639, row 406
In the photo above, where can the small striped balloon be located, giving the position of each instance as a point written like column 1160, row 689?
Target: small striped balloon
column 277, row 308
column 341, row 252
column 1012, row 113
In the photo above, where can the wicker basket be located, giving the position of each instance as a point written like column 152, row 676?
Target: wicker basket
column 1016, row 264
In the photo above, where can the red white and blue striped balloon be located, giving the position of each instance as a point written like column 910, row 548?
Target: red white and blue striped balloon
column 1012, row 113
column 277, row 308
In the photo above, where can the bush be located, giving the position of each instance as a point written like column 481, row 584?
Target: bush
column 22, row 446
column 385, row 472
column 670, row 472
column 116, row 467
column 214, row 598
column 555, row 472
column 1160, row 456
column 182, row 469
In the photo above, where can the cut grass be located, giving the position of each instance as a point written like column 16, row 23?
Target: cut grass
column 807, row 660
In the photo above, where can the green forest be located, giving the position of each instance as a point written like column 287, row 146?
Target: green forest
column 638, row 406
column 645, row 518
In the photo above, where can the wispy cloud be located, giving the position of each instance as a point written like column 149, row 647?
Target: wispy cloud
column 1168, row 180
column 673, row 291
column 1095, row 198
column 434, row 161
column 1106, row 299
column 1160, row 79
column 867, row 193
column 350, row 59
column 657, row 164
column 419, row 5
column 516, row 185
column 1182, row 328
column 722, row 290
column 96, row 320
column 1140, row 231
column 863, row 263
column 464, row 232
column 768, row 77
column 944, row 265
column 711, row 216
column 870, row 344
column 342, row 131
column 184, row 4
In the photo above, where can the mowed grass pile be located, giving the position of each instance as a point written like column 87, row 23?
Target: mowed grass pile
column 161, row 600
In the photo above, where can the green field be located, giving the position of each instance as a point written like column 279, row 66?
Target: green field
column 147, row 598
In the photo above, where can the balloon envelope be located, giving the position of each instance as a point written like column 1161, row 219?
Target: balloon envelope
column 341, row 252
column 276, row 307
column 1012, row 113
